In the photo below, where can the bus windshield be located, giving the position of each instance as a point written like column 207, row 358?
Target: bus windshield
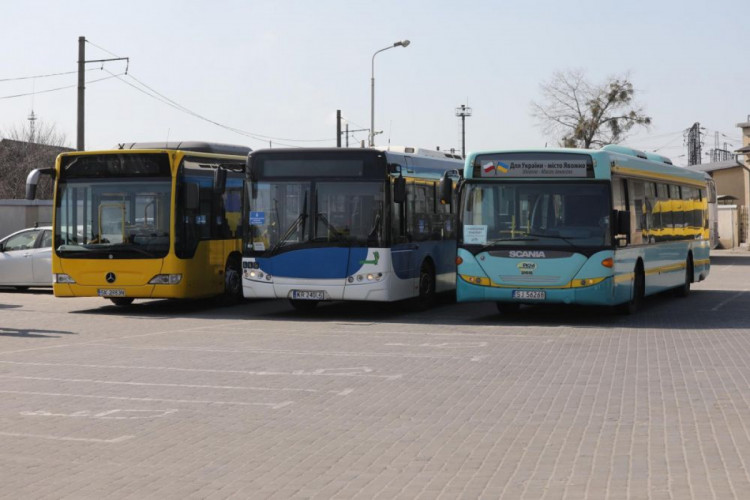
column 286, row 214
column 116, row 218
column 549, row 214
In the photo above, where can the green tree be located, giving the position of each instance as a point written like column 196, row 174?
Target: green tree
column 581, row 114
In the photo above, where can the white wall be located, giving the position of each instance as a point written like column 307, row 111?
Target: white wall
column 18, row 214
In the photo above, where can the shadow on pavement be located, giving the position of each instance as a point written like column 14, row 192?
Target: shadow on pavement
column 27, row 333
column 701, row 310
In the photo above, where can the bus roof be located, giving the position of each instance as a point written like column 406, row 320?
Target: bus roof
column 194, row 146
column 420, row 152
column 610, row 159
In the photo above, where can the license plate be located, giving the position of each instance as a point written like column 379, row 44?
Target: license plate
column 529, row 294
column 308, row 295
column 111, row 292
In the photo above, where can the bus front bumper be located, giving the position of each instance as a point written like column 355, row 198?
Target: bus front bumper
column 598, row 294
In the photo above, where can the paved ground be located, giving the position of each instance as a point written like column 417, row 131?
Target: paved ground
column 186, row 400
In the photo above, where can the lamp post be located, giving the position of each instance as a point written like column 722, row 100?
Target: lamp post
column 402, row 43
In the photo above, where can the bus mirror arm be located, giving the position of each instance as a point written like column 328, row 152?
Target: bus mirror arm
column 33, row 179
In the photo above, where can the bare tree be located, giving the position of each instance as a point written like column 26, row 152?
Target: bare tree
column 581, row 114
column 23, row 149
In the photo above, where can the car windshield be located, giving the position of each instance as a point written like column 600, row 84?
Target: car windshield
column 549, row 214
column 301, row 213
column 123, row 218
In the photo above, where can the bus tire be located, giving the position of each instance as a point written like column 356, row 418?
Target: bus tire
column 427, row 295
column 508, row 307
column 684, row 289
column 122, row 301
column 232, row 282
column 639, row 287
column 304, row 305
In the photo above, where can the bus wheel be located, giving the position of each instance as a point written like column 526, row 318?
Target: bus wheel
column 639, row 286
column 122, row 301
column 427, row 294
column 684, row 289
column 304, row 305
column 232, row 282
column 508, row 307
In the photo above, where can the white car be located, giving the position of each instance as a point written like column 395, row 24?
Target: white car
column 26, row 258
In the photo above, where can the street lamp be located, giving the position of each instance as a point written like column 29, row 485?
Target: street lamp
column 402, row 43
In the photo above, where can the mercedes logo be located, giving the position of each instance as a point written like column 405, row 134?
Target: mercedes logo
column 110, row 277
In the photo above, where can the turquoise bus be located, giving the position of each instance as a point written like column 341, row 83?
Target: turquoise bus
column 573, row 226
column 328, row 224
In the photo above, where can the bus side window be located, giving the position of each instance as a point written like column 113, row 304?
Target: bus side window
column 423, row 202
column 678, row 214
column 665, row 210
column 650, row 215
column 637, row 219
column 399, row 220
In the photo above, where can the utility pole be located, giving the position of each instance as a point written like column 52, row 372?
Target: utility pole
column 82, row 87
column 463, row 112
column 81, row 90
column 338, row 128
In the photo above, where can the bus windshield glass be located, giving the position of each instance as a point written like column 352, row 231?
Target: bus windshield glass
column 297, row 214
column 114, row 218
column 566, row 215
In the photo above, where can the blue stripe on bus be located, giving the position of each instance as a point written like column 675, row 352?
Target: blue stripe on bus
column 315, row 263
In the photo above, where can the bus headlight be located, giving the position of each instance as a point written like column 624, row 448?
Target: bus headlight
column 63, row 278
column 255, row 274
column 165, row 279
column 369, row 277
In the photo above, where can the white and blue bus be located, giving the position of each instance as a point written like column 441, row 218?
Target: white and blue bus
column 604, row 227
column 348, row 224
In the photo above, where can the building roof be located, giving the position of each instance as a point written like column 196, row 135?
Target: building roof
column 719, row 165
column 744, row 149
column 10, row 143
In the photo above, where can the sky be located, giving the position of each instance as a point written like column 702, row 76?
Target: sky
column 272, row 73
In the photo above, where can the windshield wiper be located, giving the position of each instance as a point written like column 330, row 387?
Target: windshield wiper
column 496, row 241
column 301, row 218
column 331, row 227
column 563, row 238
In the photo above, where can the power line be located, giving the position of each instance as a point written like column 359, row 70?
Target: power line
column 18, row 78
column 154, row 94
column 59, row 88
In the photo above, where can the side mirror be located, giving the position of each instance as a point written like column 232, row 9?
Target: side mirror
column 33, row 179
column 220, row 181
column 399, row 190
column 192, row 196
column 445, row 190
column 622, row 226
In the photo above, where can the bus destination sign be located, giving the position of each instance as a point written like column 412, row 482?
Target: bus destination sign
column 532, row 167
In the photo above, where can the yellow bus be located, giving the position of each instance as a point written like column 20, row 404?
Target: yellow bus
column 148, row 220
